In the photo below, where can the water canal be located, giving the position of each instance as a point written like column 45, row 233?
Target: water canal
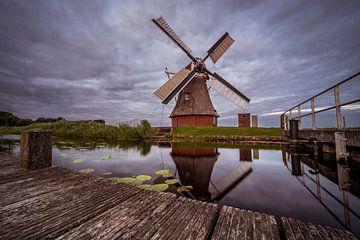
column 267, row 179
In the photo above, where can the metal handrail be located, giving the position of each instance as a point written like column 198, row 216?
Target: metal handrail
column 337, row 106
column 326, row 90
column 329, row 108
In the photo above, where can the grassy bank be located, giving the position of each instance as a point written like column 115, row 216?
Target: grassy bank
column 88, row 130
column 190, row 131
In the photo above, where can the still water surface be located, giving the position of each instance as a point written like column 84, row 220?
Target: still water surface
column 279, row 182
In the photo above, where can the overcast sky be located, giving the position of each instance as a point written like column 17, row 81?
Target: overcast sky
column 104, row 59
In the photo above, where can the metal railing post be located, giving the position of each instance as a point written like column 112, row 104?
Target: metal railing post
column 337, row 106
column 313, row 117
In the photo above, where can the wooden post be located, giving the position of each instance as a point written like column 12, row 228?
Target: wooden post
column 294, row 129
column 318, row 188
column 284, row 121
column 299, row 116
column 256, row 154
column 337, row 105
column 254, row 121
column 346, row 209
column 313, row 117
column 291, row 114
column 340, row 146
column 295, row 164
column 35, row 149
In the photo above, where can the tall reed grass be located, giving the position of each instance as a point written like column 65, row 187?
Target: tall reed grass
column 89, row 130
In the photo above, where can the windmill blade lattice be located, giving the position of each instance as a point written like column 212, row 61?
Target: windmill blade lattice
column 220, row 47
column 224, row 88
column 165, row 27
column 174, row 85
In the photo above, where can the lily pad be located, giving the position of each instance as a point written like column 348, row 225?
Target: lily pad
column 104, row 157
column 80, row 160
column 168, row 175
column 146, row 186
column 87, row 170
column 159, row 187
column 137, row 182
column 172, row 181
column 143, row 177
column 124, row 180
column 184, row 189
column 162, row 172
column 64, row 155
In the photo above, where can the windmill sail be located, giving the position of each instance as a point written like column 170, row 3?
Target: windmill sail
column 223, row 87
column 165, row 27
column 220, row 47
column 174, row 85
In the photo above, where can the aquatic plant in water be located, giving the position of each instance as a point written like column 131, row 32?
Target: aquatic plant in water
column 172, row 181
column 87, row 170
column 80, row 160
column 107, row 157
column 160, row 187
column 143, row 178
column 128, row 180
column 184, row 189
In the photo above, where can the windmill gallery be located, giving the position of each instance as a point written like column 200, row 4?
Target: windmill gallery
column 192, row 83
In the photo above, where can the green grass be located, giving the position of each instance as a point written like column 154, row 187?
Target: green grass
column 88, row 130
column 227, row 145
column 209, row 131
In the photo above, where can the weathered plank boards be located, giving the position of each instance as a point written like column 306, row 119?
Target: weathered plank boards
column 57, row 203
column 235, row 223
column 295, row 229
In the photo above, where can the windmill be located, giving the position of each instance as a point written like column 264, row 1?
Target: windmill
column 192, row 83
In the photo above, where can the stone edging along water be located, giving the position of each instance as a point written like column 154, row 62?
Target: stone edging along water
column 226, row 139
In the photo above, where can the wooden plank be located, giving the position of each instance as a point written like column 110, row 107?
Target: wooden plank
column 220, row 224
column 151, row 217
column 159, row 202
column 208, row 224
column 27, row 188
column 183, row 227
column 201, row 224
column 148, row 231
column 27, row 174
column 305, row 231
column 235, row 223
column 103, row 227
column 116, row 221
column 296, row 229
column 57, row 212
column 175, row 220
column 59, row 224
column 10, row 170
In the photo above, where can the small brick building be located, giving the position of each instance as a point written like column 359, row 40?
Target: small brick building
column 244, row 120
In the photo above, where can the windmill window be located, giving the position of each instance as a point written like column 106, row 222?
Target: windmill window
column 187, row 96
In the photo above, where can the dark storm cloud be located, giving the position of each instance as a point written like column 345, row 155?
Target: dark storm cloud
column 104, row 59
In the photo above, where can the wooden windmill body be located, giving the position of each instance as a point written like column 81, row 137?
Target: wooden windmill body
column 193, row 106
column 192, row 83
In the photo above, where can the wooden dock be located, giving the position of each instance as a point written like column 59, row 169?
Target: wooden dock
column 56, row 203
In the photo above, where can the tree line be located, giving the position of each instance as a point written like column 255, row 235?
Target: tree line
column 10, row 120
